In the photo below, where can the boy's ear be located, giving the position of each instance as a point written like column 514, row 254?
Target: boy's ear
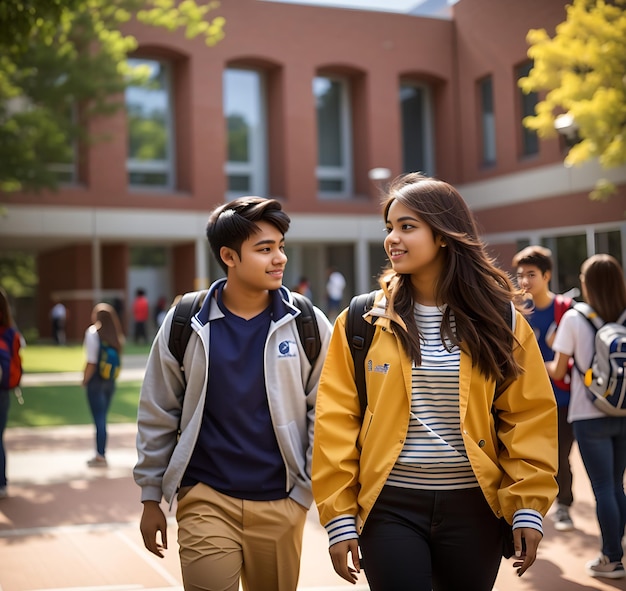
column 229, row 256
column 548, row 275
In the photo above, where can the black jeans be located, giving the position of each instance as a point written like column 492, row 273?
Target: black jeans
column 420, row 540
column 564, row 475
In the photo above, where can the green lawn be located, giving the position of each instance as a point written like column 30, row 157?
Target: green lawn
column 52, row 358
column 50, row 405
column 47, row 406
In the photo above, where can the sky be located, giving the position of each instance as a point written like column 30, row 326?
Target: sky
column 383, row 5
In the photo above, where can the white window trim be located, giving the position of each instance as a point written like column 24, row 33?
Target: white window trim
column 340, row 173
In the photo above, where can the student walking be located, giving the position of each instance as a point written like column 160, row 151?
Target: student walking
column 460, row 424
column 232, row 434
column 141, row 313
column 601, row 438
column 10, row 374
column 103, row 343
column 533, row 267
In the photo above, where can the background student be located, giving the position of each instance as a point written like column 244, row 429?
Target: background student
column 232, row 436
column 99, row 376
column 11, row 341
column 420, row 482
column 601, row 438
column 533, row 268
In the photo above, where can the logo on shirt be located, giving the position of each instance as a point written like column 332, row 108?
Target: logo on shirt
column 285, row 349
column 382, row 368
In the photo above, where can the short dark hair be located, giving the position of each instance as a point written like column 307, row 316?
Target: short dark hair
column 234, row 222
column 537, row 256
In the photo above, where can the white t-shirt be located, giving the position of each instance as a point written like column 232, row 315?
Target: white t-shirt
column 335, row 286
column 58, row 312
column 575, row 337
column 91, row 345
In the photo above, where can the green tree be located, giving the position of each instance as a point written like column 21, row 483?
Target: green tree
column 582, row 70
column 63, row 62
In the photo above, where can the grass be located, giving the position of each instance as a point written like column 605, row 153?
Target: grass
column 66, row 404
column 53, row 405
column 53, row 359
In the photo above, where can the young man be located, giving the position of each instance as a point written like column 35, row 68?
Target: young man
column 232, row 436
column 534, row 270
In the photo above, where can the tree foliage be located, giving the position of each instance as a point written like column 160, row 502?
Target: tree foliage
column 63, row 62
column 582, row 69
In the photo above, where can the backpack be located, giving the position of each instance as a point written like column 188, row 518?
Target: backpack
column 561, row 305
column 604, row 380
column 109, row 362
column 10, row 361
column 191, row 302
column 360, row 333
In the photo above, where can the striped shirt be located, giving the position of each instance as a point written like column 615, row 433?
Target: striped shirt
column 433, row 456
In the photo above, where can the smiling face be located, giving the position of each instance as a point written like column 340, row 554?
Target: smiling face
column 262, row 262
column 411, row 246
column 531, row 280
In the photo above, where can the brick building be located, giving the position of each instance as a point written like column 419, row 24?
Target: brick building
column 300, row 103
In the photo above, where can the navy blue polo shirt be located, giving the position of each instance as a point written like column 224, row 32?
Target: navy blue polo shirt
column 237, row 452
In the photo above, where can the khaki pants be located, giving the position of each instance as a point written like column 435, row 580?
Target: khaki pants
column 223, row 539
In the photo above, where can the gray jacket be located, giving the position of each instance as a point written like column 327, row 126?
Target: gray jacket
column 167, row 405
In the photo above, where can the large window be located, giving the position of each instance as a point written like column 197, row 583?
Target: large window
column 417, row 132
column 245, row 114
column 530, row 140
column 334, row 154
column 488, row 121
column 150, row 128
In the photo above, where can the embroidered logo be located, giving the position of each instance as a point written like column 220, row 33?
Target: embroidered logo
column 285, row 350
column 369, row 365
column 382, row 368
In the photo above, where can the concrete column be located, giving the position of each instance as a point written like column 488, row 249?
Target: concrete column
column 201, row 280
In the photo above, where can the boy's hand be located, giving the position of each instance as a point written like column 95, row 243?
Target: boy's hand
column 152, row 522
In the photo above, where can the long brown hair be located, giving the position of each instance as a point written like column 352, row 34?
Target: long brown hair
column 108, row 325
column 473, row 288
column 605, row 286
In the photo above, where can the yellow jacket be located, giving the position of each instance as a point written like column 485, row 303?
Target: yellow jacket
column 515, row 468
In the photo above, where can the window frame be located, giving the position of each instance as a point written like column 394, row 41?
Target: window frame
column 257, row 167
column 167, row 166
column 428, row 134
column 342, row 173
column 487, row 120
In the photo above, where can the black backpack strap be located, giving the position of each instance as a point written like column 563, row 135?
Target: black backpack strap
column 308, row 329
column 360, row 333
column 180, row 331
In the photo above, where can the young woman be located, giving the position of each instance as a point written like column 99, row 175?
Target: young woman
column 601, row 439
column 105, row 329
column 421, row 481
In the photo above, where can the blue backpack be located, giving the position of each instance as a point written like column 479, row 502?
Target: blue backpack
column 604, row 380
column 109, row 362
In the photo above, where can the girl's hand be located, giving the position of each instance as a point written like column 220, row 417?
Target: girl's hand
column 339, row 556
column 526, row 540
